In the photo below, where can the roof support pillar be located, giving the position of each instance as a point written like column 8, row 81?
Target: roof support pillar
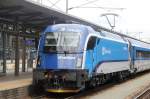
column 17, row 49
column 24, row 52
column 4, row 51
column 37, row 40
column 24, row 56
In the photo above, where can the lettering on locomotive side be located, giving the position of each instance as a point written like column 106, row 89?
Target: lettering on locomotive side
column 105, row 51
column 125, row 48
column 68, row 57
column 68, row 29
column 62, row 29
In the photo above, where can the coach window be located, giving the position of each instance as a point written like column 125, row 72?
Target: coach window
column 138, row 54
column 91, row 43
column 143, row 54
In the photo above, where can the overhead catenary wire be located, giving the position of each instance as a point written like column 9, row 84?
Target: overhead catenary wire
column 90, row 2
column 109, row 8
column 54, row 4
column 106, row 8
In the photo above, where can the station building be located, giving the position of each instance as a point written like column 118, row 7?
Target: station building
column 21, row 22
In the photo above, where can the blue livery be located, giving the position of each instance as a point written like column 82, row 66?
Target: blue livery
column 74, row 56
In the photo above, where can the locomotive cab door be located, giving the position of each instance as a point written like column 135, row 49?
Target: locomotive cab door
column 91, row 54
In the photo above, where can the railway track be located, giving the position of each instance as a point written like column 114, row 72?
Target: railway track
column 90, row 92
column 144, row 95
column 17, row 93
column 39, row 97
column 24, row 92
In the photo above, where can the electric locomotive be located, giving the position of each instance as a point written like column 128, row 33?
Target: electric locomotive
column 72, row 57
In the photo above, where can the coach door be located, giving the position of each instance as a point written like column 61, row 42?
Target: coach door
column 131, row 56
column 91, row 53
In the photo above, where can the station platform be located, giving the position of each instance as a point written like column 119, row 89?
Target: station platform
column 10, row 81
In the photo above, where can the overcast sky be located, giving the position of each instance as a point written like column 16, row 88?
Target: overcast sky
column 133, row 19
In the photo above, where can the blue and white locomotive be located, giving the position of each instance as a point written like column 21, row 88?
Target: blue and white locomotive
column 73, row 56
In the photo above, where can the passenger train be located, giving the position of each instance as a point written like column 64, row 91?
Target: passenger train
column 72, row 57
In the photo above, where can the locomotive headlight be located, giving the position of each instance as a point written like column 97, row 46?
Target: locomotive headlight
column 79, row 63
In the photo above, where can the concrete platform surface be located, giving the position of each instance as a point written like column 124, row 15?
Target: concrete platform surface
column 10, row 81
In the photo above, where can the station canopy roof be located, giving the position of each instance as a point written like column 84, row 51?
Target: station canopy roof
column 34, row 14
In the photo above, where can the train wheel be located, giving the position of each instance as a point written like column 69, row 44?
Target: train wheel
column 38, row 88
column 122, row 75
column 92, row 82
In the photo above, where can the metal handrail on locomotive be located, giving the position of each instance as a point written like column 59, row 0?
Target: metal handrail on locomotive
column 72, row 57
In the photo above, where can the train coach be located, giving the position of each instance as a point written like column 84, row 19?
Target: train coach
column 72, row 57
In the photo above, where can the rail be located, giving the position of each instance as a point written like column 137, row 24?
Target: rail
column 144, row 95
column 16, row 93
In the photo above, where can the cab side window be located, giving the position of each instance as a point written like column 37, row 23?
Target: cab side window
column 91, row 43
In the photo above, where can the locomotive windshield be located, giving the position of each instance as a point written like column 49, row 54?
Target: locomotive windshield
column 62, row 40
column 51, row 39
